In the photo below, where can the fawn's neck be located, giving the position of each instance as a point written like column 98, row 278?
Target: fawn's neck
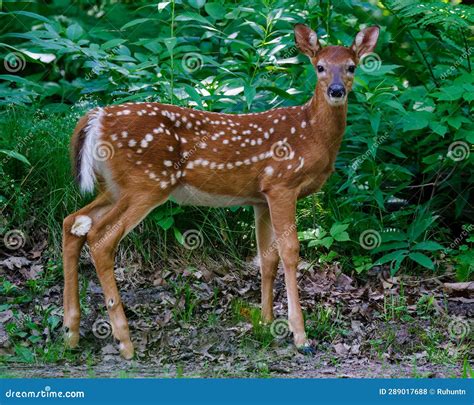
column 327, row 122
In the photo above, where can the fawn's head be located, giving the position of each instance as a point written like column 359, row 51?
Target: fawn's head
column 335, row 65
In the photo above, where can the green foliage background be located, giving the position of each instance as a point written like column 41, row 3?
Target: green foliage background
column 404, row 173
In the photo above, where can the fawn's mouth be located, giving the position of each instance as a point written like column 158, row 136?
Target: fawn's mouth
column 336, row 101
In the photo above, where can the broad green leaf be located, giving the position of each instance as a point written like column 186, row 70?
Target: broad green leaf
column 438, row 128
column 391, row 256
column 416, row 120
column 338, row 228
column 391, row 246
column 422, row 259
column 215, row 10
column 342, row 237
column 197, row 3
column 74, row 32
column 428, row 245
column 166, row 223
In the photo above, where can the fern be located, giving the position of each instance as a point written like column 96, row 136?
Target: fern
column 432, row 13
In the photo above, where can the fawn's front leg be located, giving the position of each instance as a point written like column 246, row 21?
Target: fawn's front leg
column 282, row 203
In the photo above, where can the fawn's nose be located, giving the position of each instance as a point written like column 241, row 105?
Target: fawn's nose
column 336, row 91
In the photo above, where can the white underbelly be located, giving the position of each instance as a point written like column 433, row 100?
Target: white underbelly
column 189, row 195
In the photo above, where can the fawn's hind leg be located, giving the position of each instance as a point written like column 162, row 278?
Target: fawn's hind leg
column 269, row 258
column 103, row 239
column 75, row 228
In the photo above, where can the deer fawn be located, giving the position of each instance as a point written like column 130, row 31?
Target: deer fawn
column 141, row 154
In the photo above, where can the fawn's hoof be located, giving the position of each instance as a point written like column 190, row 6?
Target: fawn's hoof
column 307, row 349
column 126, row 350
column 71, row 339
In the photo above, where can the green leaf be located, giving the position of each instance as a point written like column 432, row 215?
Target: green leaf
column 166, row 223
column 438, row 128
column 74, row 32
column 250, row 93
column 393, row 235
column 326, row 242
column 342, row 237
column 393, row 151
column 178, row 235
column 15, row 155
column 416, row 120
column 422, row 259
column 375, row 122
column 190, row 16
column 197, row 3
column 162, row 5
column 391, row 256
column 29, row 14
column 112, row 43
column 428, row 245
column 338, row 228
column 390, row 246
column 135, row 22
column 215, row 10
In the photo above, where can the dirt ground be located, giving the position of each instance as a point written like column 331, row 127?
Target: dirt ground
column 201, row 322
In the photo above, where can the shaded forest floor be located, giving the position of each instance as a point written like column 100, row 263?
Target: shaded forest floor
column 204, row 321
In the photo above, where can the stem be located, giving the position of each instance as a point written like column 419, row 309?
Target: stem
column 466, row 49
column 416, row 44
column 172, row 53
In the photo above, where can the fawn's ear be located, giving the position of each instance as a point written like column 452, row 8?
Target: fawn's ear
column 306, row 40
column 365, row 41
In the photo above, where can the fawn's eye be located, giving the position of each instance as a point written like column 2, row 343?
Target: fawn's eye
column 320, row 68
column 351, row 68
